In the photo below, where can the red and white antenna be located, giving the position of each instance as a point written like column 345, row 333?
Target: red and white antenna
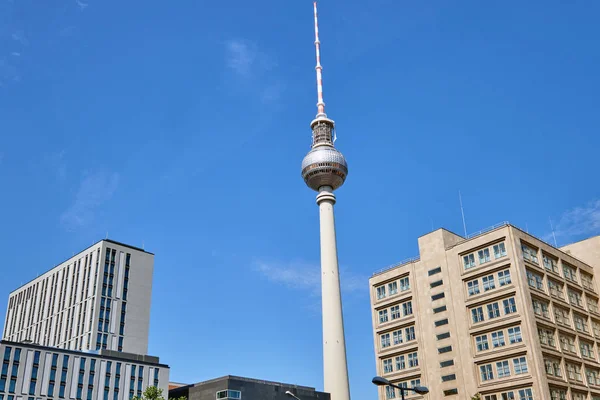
column 319, row 68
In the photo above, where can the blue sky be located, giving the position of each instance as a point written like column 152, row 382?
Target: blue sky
column 181, row 126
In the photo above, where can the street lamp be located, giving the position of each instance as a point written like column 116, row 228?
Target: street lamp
column 292, row 395
column 379, row 381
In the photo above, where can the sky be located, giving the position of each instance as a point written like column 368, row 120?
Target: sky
column 181, row 126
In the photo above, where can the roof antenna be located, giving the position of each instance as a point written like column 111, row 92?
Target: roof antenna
column 462, row 211
column 553, row 235
column 319, row 68
column 143, row 248
column 107, row 234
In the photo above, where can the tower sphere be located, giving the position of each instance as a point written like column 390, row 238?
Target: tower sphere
column 324, row 166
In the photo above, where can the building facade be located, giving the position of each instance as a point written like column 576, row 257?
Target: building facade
column 239, row 388
column 98, row 299
column 501, row 314
column 31, row 372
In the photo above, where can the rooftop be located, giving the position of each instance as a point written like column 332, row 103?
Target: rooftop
column 79, row 252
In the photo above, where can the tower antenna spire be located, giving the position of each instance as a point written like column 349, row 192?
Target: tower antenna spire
column 319, row 69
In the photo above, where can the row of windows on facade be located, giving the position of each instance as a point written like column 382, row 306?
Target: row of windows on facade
column 555, row 366
column 401, row 362
column 395, row 312
column 520, row 394
column 392, row 288
column 397, row 337
column 74, row 326
column 547, row 337
column 229, row 394
column 557, row 289
column 550, row 263
column 483, row 256
column 494, row 310
column 51, row 294
column 497, row 339
column 503, row 369
column 488, row 282
column 391, row 392
column 561, row 394
column 62, row 382
column 562, row 316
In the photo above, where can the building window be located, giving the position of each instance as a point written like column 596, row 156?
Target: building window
column 477, row 314
column 546, row 337
column 556, row 289
column 529, row 254
column 404, row 284
column 498, row 339
column 540, row 308
column 569, row 272
column 486, row 372
column 229, row 394
column 395, row 311
column 575, row 298
column 409, row 333
column 400, row 363
column 561, row 316
column 482, row 343
column 393, row 288
column 493, row 310
column 442, row 336
column 380, row 292
column 499, row 250
column 484, row 256
column 385, row 340
column 407, row 308
column 552, row 367
column 447, row 363
column 587, row 281
column 520, row 365
column 439, row 309
column 390, row 392
column 502, row 369
column 504, row 277
column 397, row 337
column 387, row 366
column 469, row 261
column 436, row 283
column 413, row 360
column 473, row 287
column 434, row 271
column 488, row 283
column 509, row 305
column 581, row 323
column 441, row 322
column 558, row 394
column 549, row 263
column 592, row 377
column 525, row 394
column 587, row 349
column 447, row 378
column 450, row 392
column 567, row 343
column 445, row 349
column 514, row 335
column 535, row 281
column 438, row 296
column 383, row 316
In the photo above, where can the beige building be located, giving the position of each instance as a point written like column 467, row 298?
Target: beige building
column 502, row 314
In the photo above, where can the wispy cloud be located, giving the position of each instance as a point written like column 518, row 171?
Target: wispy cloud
column 245, row 59
column 94, row 190
column 577, row 222
column 57, row 163
column 307, row 276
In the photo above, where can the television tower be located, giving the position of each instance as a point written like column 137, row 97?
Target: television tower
column 324, row 169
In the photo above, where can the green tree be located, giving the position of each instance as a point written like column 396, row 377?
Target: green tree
column 476, row 397
column 154, row 393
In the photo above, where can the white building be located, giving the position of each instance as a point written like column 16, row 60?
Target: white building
column 97, row 299
column 31, row 372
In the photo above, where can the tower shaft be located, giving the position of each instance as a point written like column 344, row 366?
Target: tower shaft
column 335, row 367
